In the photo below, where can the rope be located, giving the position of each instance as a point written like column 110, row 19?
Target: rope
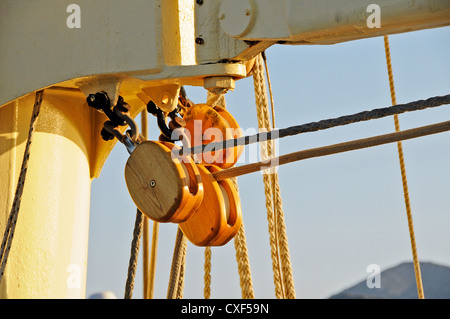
column 240, row 241
column 215, row 99
column 281, row 264
column 285, row 256
column 333, row 149
column 176, row 270
column 321, row 125
column 242, row 258
column 14, row 213
column 152, row 271
column 403, row 173
column 180, row 288
column 269, row 83
column 207, row 276
column 261, row 98
column 132, row 264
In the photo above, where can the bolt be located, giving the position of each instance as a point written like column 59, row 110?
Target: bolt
column 199, row 40
column 152, row 183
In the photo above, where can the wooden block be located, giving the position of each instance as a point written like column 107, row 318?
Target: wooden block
column 230, row 155
column 209, row 219
column 155, row 181
column 234, row 218
column 192, row 189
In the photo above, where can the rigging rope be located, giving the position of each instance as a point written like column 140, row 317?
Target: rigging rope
column 333, row 149
column 207, row 276
column 14, row 213
column 320, row 125
column 240, row 241
column 281, row 264
column 132, row 264
column 403, row 173
column 177, row 268
column 242, row 258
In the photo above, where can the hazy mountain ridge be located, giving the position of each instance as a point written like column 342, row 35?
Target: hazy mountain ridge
column 399, row 282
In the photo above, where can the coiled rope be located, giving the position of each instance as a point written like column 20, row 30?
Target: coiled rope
column 403, row 173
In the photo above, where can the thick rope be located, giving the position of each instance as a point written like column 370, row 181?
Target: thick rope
column 403, row 173
column 240, row 241
column 242, row 258
column 14, row 213
column 207, row 276
column 321, row 125
column 132, row 264
column 260, row 99
column 283, row 275
column 180, row 288
column 285, row 256
column 177, row 271
column 333, row 149
column 269, row 83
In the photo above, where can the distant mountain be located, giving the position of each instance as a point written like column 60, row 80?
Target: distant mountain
column 399, row 283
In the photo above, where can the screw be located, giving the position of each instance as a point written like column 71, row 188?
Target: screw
column 199, row 40
column 152, row 183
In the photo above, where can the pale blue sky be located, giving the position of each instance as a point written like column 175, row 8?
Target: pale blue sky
column 343, row 212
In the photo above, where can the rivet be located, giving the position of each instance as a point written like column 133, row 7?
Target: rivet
column 199, row 40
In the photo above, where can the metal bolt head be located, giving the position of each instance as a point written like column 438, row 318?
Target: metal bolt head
column 152, row 183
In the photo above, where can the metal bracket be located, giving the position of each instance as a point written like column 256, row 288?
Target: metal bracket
column 165, row 96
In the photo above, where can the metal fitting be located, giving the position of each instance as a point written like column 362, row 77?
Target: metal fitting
column 219, row 84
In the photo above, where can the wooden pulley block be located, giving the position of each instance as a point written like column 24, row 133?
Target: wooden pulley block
column 219, row 216
column 192, row 190
column 231, row 155
column 206, row 124
column 161, row 186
